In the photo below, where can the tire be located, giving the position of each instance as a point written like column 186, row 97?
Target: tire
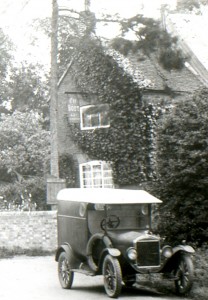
column 112, row 276
column 184, row 274
column 65, row 274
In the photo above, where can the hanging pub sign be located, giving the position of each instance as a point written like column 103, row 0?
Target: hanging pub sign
column 73, row 109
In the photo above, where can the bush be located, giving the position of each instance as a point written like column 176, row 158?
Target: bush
column 200, row 287
column 26, row 195
column 183, row 176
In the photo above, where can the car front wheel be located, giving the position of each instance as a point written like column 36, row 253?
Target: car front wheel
column 184, row 273
column 65, row 274
column 112, row 276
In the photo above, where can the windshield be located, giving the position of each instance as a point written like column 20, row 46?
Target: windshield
column 127, row 216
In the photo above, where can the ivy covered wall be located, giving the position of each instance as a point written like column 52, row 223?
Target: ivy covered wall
column 129, row 142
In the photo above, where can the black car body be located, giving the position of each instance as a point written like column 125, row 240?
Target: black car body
column 108, row 232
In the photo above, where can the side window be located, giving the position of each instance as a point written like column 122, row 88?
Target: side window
column 94, row 116
column 96, row 174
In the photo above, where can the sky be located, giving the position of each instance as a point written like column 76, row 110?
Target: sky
column 16, row 17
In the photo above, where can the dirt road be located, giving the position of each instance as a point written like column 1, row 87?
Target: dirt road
column 35, row 278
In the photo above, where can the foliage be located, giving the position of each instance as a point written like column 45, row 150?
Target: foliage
column 24, row 153
column 27, row 195
column 200, row 288
column 23, row 86
column 24, row 144
column 67, row 169
column 68, row 34
column 150, row 38
column 191, row 5
column 183, row 176
column 5, row 53
column 127, row 142
column 5, row 64
column 27, row 89
column 70, row 29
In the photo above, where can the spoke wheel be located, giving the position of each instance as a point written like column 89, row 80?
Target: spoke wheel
column 184, row 274
column 65, row 274
column 112, row 276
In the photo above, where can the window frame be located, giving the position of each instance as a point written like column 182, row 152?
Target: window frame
column 99, row 114
column 105, row 168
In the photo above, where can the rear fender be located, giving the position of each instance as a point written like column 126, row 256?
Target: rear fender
column 64, row 248
column 108, row 247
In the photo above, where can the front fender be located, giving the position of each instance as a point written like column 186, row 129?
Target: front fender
column 170, row 263
column 113, row 252
column 183, row 248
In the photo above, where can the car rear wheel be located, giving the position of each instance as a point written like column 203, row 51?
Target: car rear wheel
column 65, row 274
column 112, row 276
column 184, row 274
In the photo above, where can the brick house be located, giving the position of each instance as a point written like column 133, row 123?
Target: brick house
column 82, row 108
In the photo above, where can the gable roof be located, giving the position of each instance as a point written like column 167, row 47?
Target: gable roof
column 149, row 75
column 182, row 80
column 192, row 40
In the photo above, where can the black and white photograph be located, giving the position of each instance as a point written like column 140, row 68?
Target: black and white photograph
column 103, row 149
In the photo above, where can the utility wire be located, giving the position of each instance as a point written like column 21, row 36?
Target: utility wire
column 8, row 7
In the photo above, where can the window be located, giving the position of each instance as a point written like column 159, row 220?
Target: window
column 94, row 116
column 96, row 174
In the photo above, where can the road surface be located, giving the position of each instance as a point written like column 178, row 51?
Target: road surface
column 35, row 278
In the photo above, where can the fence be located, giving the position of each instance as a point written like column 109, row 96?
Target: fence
column 35, row 230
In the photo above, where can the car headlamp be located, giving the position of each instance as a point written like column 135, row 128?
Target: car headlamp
column 132, row 254
column 167, row 251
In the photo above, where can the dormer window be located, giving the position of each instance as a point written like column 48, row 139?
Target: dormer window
column 94, row 116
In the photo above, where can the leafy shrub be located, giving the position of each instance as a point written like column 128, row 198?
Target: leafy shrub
column 183, row 176
column 27, row 195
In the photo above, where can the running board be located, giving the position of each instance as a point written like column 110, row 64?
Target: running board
column 85, row 272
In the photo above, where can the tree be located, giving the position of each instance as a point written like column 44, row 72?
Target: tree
column 5, row 64
column 27, row 88
column 70, row 30
column 150, row 38
column 183, row 176
column 24, row 154
column 5, row 53
column 191, row 6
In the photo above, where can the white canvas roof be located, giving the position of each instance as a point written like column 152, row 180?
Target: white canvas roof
column 107, row 196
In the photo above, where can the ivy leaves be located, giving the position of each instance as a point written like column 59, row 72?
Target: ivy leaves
column 126, row 143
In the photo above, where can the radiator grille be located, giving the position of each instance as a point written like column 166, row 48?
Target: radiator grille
column 148, row 253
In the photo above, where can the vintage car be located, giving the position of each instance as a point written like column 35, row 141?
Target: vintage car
column 108, row 232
